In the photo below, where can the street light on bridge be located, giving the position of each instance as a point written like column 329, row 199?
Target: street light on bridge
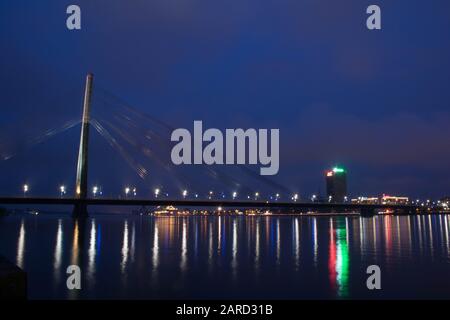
column 62, row 190
column 184, row 193
column 25, row 189
column 95, row 191
column 157, row 191
column 127, row 191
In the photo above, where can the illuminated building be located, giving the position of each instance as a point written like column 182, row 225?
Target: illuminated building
column 385, row 199
column 336, row 184
column 366, row 200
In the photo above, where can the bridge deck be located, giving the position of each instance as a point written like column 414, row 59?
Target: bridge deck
column 203, row 203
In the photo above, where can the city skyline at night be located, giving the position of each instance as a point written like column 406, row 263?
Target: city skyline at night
column 235, row 158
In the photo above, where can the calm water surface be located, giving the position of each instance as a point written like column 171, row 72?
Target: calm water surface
column 270, row 257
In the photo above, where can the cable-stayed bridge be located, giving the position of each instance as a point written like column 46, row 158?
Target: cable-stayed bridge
column 131, row 132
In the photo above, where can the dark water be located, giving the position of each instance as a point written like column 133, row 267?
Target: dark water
column 123, row 256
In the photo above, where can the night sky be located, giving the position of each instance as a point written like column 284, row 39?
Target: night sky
column 375, row 102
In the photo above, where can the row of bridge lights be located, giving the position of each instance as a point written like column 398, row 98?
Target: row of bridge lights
column 132, row 191
column 234, row 195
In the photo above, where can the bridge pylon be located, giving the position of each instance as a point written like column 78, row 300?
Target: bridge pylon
column 81, row 185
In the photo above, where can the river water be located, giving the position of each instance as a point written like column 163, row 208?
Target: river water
column 230, row 257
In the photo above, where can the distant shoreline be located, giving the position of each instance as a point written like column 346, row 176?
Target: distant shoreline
column 255, row 215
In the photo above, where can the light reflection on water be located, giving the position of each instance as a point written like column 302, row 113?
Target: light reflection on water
column 231, row 257
column 21, row 245
column 58, row 252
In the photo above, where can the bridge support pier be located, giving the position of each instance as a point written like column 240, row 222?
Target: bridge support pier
column 80, row 210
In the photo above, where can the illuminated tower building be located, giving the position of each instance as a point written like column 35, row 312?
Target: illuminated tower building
column 336, row 185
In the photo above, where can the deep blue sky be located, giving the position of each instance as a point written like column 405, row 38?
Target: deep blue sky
column 376, row 102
